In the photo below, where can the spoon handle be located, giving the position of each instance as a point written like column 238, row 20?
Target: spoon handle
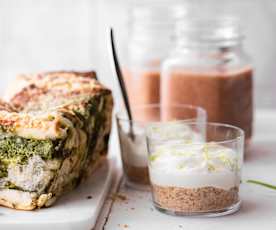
column 121, row 81
column 120, row 76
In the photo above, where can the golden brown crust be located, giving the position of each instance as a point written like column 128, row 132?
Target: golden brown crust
column 51, row 75
column 31, row 92
column 9, row 204
column 24, row 80
column 56, row 85
column 89, row 74
column 19, row 200
column 4, row 106
column 59, row 92
column 46, row 200
column 43, row 126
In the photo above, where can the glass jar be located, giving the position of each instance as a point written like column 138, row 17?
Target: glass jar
column 150, row 27
column 133, row 139
column 195, row 176
column 209, row 68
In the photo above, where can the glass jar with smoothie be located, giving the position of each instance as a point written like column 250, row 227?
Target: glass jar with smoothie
column 150, row 30
column 209, row 68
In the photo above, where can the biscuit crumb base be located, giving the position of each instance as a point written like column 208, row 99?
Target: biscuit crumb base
column 191, row 200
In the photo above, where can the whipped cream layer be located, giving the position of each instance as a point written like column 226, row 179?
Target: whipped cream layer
column 175, row 130
column 134, row 151
column 194, row 165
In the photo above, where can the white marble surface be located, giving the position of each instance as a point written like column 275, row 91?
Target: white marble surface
column 259, row 204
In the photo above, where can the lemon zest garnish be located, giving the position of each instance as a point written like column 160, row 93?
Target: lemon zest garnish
column 232, row 164
column 155, row 129
column 180, row 166
column 211, row 168
column 205, row 153
column 154, row 156
column 177, row 153
column 189, row 141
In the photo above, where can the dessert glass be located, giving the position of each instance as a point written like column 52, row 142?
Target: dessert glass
column 195, row 176
column 132, row 136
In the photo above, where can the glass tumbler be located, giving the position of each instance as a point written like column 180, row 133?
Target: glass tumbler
column 195, row 176
column 133, row 139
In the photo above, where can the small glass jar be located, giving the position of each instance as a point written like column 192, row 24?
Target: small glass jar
column 198, row 176
column 209, row 68
column 150, row 30
column 132, row 137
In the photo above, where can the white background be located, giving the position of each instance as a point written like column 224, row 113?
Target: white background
column 38, row 35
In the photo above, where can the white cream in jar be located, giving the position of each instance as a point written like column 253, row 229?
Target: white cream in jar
column 194, row 165
column 135, row 151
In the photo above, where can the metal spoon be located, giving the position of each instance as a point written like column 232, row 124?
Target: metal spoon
column 121, row 82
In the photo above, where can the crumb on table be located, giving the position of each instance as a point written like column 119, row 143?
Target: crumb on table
column 118, row 196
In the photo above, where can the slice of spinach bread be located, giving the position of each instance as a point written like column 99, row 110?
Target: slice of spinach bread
column 53, row 132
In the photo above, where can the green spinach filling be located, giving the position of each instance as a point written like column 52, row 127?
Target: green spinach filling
column 14, row 149
column 18, row 150
column 93, row 118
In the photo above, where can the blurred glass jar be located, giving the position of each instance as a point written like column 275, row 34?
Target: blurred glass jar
column 209, row 68
column 150, row 29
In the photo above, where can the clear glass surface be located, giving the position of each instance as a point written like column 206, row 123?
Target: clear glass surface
column 133, row 139
column 195, row 168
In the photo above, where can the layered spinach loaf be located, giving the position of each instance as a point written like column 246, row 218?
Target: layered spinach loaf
column 54, row 132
